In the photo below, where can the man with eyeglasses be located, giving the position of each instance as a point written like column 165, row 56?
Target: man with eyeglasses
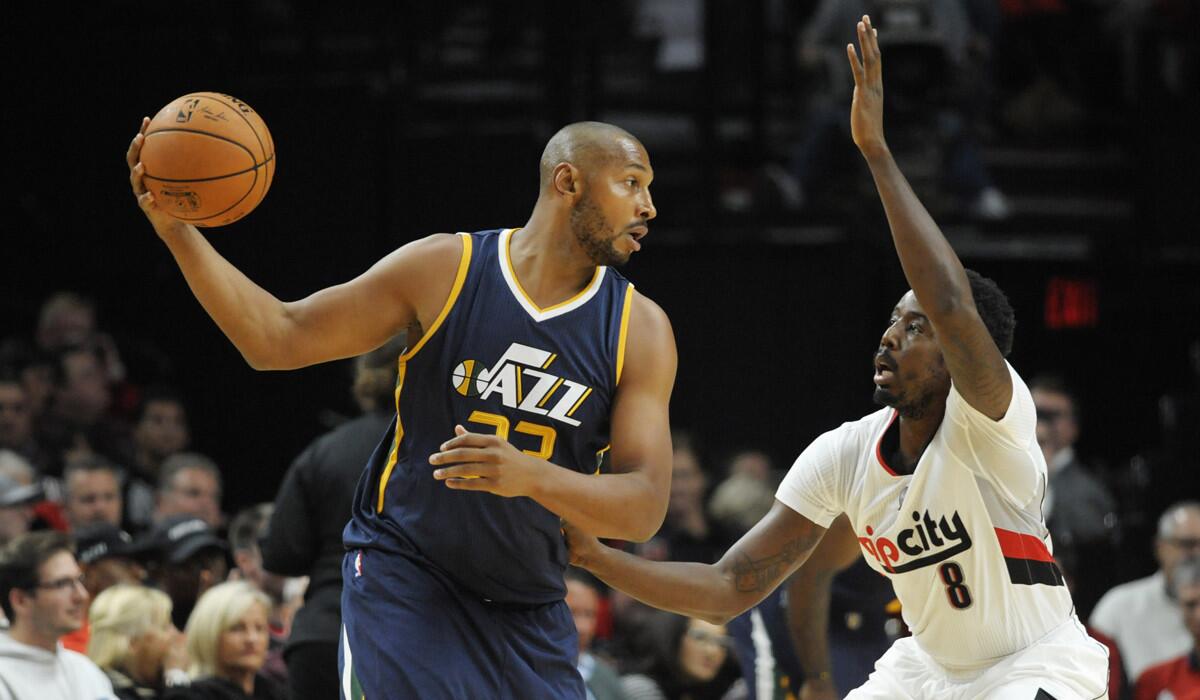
column 42, row 594
column 1144, row 616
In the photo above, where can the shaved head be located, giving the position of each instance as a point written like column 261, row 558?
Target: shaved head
column 588, row 146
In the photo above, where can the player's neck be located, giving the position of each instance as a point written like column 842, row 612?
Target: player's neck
column 551, row 267
column 915, row 434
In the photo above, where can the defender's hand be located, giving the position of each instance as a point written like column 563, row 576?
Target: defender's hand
column 583, row 547
column 161, row 220
column 486, row 463
column 866, row 112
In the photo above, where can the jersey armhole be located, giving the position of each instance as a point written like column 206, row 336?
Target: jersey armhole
column 623, row 336
column 464, row 264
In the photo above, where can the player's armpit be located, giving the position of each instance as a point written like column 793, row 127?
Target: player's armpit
column 409, row 287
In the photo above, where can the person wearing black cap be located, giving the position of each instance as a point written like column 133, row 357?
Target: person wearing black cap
column 106, row 555
column 185, row 558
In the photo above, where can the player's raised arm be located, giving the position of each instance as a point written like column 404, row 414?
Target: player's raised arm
column 933, row 270
column 406, row 287
column 762, row 559
column 628, row 504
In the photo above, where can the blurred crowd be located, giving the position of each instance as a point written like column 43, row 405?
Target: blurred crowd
column 120, row 568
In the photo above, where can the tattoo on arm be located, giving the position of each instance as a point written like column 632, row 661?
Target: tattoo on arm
column 756, row 575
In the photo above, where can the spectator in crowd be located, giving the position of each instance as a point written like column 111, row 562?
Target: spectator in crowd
column 160, row 430
column 190, row 484
column 185, row 558
column 304, row 537
column 1143, row 616
column 227, row 644
column 105, row 553
column 689, row 659
column 583, row 598
column 1079, row 510
column 68, row 320
column 745, row 496
column 134, row 642
column 245, row 530
column 42, row 594
column 77, row 420
column 16, row 418
column 18, row 493
column 92, row 492
column 1178, row 678
column 35, row 370
column 687, row 533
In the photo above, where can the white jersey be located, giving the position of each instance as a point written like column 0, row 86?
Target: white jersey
column 962, row 538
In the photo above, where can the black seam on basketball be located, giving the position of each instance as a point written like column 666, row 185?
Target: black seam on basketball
column 238, row 112
column 209, row 179
column 231, row 206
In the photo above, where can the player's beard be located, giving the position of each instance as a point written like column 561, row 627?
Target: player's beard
column 590, row 228
column 918, row 404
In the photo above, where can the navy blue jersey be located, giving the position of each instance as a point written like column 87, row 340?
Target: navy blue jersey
column 496, row 363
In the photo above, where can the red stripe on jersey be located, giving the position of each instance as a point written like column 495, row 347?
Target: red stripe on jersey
column 1021, row 546
column 879, row 444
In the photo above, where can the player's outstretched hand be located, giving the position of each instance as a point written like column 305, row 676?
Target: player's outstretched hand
column 162, row 221
column 866, row 112
column 583, row 546
column 477, row 462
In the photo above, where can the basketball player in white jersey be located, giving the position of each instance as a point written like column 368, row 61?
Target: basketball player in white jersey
column 942, row 487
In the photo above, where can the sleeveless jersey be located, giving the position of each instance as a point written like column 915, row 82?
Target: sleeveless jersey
column 961, row 538
column 496, row 363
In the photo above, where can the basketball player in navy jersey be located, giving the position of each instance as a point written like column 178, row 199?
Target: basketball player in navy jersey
column 529, row 358
column 942, row 487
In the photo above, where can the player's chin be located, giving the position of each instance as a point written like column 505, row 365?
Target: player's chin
column 885, row 397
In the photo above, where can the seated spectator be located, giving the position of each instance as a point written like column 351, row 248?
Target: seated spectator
column 689, row 659
column 1178, row 678
column 1143, row 616
column 106, row 557
column 311, row 509
column 16, row 418
column 227, row 642
column 42, row 594
column 583, row 598
column 244, row 533
column 77, row 421
column 16, row 505
column 184, row 558
column 134, row 642
column 190, row 484
column 91, row 492
column 160, row 430
column 1079, row 510
column 687, row 533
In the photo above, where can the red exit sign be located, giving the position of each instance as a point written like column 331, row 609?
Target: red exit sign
column 1072, row 303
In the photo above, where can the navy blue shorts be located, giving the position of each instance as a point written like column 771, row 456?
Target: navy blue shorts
column 409, row 633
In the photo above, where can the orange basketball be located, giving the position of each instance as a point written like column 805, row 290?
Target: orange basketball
column 209, row 158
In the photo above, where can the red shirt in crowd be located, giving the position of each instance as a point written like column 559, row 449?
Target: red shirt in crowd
column 1180, row 678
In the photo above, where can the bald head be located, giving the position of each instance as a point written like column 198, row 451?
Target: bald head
column 588, row 146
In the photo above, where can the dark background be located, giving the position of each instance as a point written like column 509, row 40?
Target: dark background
column 396, row 120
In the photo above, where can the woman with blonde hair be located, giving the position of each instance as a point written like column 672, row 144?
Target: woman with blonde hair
column 134, row 643
column 227, row 635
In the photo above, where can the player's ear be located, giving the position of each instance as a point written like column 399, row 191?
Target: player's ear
column 568, row 180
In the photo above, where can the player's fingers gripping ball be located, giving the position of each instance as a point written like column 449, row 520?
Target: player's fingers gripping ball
column 209, row 158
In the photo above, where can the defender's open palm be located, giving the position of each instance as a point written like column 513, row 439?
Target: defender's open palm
column 866, row 112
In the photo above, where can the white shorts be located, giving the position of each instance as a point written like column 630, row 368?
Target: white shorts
column 1066, row 664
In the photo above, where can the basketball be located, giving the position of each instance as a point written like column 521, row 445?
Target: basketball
column 209, row 158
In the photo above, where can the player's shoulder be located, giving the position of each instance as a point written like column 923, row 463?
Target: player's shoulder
column 868, row 427
column 649, row 319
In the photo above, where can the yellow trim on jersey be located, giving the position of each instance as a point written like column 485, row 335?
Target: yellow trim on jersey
column 580, row 401
column 624, row 335
column 599, row 457
column 553, row 357
column 517, row 283
column 464, row 263
column 394, row 454
column 550, row 393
